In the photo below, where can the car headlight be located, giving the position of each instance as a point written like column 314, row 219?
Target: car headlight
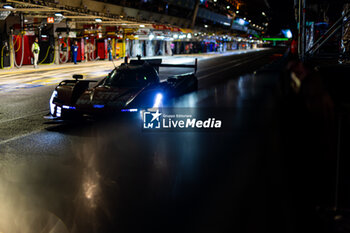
column 52, row 105
column 158, row 100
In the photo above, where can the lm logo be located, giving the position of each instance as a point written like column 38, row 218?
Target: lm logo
column 151, row 120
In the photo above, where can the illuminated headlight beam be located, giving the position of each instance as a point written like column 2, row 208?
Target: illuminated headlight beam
column 58, row 111
column 158, row 100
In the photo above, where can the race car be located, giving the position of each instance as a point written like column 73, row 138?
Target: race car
column 127, row 88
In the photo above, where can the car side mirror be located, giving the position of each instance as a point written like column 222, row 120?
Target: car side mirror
column 78, row 76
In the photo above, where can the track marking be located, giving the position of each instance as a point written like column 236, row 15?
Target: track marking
column 21, row 117
column 20, row 136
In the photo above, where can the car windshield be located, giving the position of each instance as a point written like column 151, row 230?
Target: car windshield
column 131, row 77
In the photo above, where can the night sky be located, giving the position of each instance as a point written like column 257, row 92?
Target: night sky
column 280, row 14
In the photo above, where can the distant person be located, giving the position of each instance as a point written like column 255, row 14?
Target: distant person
column 109, row 50
column 36, row 51
column 172, row 47
column 75, row 51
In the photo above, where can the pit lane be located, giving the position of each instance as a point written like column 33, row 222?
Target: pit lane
column 111, row 178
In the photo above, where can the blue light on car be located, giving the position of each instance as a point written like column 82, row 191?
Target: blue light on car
column 129, row 110
column 98, row 106
column 158, row 100
column 68, row 107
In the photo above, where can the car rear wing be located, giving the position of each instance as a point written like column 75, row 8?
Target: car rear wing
column 158, row 63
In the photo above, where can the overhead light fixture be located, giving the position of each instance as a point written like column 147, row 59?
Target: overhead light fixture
column 228, row 7
column 98, row 20
column 263, row 13
column 205, row 26
column 8, row 7
column 58, row 14
column 142, row 26
column 249, row 21
column 241, row 22
column 237, row 12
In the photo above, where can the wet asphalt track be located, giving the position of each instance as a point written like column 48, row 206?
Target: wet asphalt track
column 113, row 177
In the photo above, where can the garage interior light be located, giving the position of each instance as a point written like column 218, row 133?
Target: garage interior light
column 8, row 7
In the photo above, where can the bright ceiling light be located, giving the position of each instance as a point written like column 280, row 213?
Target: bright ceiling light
column 237, row 12
column 98, row 20
column 8, row 7
column 228, row 7
column 289, row 34
column 241, row 22
column 158, row 101
column 205, row 26
column 58, row 14
column 142, row 26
